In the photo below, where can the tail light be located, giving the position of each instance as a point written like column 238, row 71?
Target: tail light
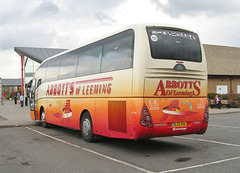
column 146, row 119
column 206, row 115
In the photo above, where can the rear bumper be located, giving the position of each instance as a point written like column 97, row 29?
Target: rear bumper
column 167, row 130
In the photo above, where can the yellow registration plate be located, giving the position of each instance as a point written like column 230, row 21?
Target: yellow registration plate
column 179, row 124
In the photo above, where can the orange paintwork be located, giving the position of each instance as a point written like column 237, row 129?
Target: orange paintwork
column 32, row 115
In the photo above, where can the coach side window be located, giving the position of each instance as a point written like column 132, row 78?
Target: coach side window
column 52, row 69
column 118, row 52
column 89, row 60
column 39, row 82
column 40, row 74
column 68, row 65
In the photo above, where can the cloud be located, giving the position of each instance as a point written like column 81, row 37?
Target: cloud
column 105, row 19
column 10, row 64
column 194, row 7
column 29, row 36
column 10, row 11
column 39, row 23
column 73, row 9
column 46, row 8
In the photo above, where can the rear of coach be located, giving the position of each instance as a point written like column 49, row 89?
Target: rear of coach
column 174, row 83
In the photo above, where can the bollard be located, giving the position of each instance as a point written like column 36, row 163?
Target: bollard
column 26, row 101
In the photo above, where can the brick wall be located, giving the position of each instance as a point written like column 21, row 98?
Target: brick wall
column 213, row 82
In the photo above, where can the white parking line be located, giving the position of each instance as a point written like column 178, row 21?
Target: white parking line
column 233, row 127
column 93, row 152
column 142, row 169
column 201, row 165
column 210, row 141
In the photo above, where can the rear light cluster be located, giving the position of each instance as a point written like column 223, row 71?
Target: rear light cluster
column 146, row 119
column 206, row 115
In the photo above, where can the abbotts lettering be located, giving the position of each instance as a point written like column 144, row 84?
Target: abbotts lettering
column 178, row 88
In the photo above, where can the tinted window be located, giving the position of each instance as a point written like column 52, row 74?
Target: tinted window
column 89, row 61
column 174, row 45
column 41, row 73
column 118, row 52
column 52, row 69
column 39, row 82
column 68, row 65
column 33, row 88
column 110, row 54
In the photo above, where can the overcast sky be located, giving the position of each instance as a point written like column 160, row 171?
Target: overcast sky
column 70, row 23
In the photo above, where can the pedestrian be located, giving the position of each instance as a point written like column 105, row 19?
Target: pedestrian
column 18, row 98
column 217, row 101
column 21, row 100
column 4, row 96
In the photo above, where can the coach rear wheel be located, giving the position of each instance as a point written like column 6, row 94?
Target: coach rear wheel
column 43, row 119
column 86, row 127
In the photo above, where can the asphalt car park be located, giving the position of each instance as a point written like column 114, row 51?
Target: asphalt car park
column 57, row 149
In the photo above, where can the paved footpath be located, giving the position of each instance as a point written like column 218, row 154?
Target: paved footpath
column 12, row 115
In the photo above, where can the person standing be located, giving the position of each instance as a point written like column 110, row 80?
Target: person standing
column 18, row 97
column 4, row 96
column 21, row 100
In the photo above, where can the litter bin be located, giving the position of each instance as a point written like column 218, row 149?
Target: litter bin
column 26, row 101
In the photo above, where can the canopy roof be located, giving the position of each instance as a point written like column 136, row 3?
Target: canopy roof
column 38, row 54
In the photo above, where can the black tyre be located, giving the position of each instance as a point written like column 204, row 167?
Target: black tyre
column 43, row 119
column 86, row 127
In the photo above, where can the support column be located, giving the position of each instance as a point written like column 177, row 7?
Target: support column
column 22, row 71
